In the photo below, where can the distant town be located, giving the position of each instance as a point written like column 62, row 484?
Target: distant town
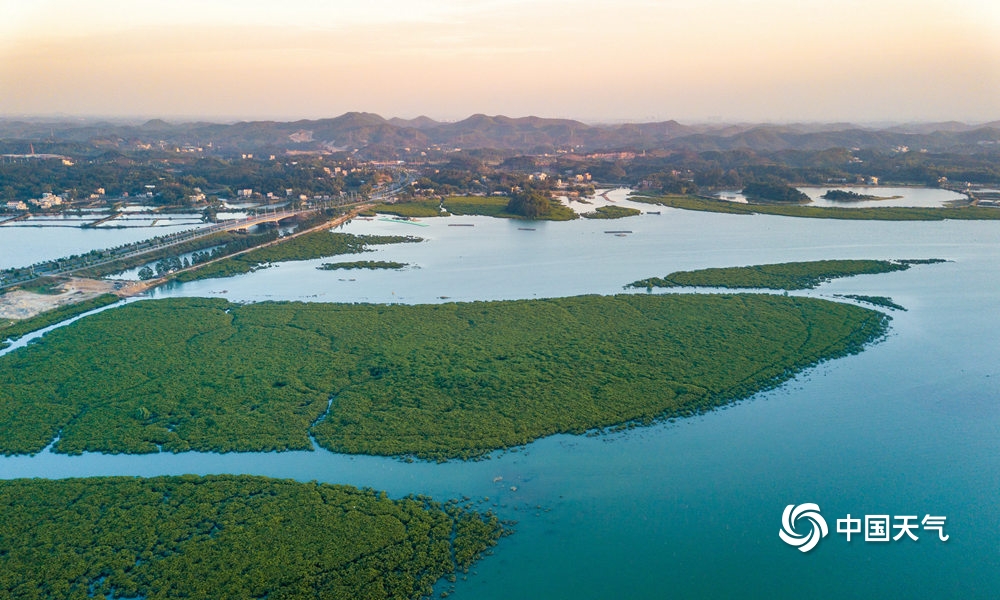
column 49, row 167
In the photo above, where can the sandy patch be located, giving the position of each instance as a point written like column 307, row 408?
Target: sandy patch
column 19, row 304
column 604, row 197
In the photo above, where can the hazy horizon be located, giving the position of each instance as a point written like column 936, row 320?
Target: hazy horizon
column 709, row 61
column 232, row 119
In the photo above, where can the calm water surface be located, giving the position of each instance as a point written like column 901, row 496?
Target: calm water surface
column 692, row 509
column 23, row 246
column 891, row 196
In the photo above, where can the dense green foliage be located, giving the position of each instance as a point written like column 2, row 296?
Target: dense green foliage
column 363, row 264
column 15, row 329
column 227, row 537
column 846, row 196
column 418, row 208
column 495, row 157
column 435, row 381
column 175, row 175
column 773, row 191
column 887, row 213
column 489, row 206
column 532, row 205
column 535, row 204
column 883, row 301
column 612, row 212
column 316, row 244
column 499, row 206
column 781, row 276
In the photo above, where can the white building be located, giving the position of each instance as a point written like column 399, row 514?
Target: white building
column 48, row 200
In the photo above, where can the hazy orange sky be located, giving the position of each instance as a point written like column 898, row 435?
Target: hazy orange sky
column 691, row 60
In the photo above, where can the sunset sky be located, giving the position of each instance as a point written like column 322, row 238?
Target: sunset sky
column 691, row 60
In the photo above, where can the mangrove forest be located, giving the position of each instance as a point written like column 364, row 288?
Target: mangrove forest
column 455, row 380
column 780, row 276
column 233, row 536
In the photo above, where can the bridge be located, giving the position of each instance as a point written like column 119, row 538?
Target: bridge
column 98, row 259
column 141, row 286
column 89, row 261
column 253, row 221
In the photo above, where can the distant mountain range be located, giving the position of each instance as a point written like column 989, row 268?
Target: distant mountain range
column 358, row 130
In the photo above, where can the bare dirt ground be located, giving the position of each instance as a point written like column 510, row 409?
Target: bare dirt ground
column 20, row 304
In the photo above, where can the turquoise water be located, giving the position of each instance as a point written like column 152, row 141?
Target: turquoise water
column 692, row 509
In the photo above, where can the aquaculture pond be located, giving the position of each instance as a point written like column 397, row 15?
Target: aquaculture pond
column 691, row 508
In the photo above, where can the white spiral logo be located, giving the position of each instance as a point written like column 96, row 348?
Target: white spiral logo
column 817, row 528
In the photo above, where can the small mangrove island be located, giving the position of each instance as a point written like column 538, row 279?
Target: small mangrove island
column 848, row 196
column 362, row 264
column 228, row 537
column 611, row 212
column 780, row 276
column 773, row 191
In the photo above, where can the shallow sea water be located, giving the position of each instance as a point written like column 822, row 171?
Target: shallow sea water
column 692, row 509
